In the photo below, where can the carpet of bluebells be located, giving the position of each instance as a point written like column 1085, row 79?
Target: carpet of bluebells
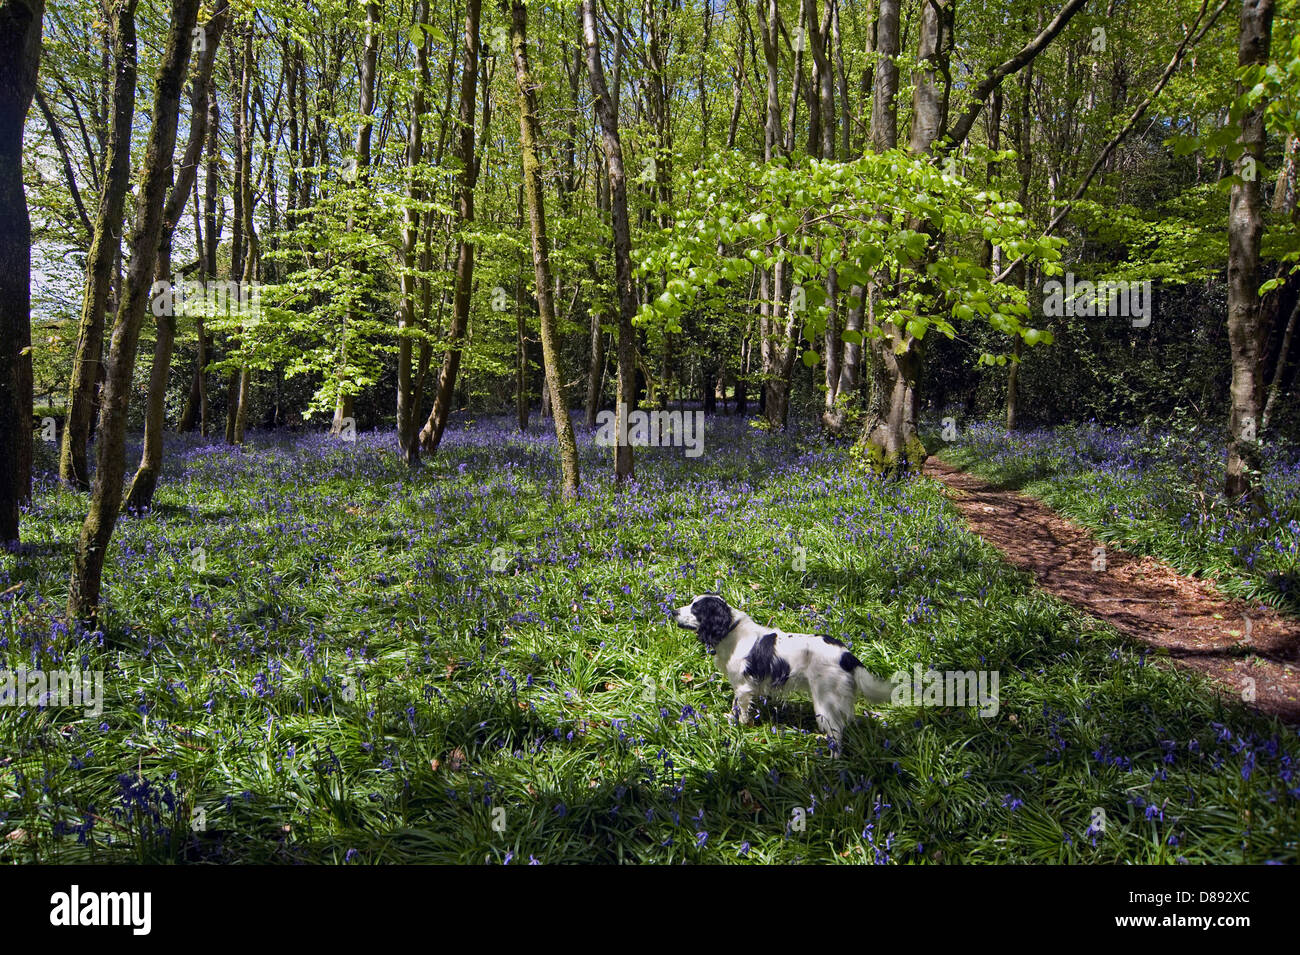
column 314, row 655
column 1156, row 492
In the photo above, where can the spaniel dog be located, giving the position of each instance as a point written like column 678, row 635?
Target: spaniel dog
column 765, row 661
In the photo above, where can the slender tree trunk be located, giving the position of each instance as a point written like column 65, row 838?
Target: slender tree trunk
column 819, row 31
column 595, row 367
column 1246, row 331
column 140, row 497
column 522, row 407
column 824, row 88
column 605, row 111
column 1286, row 201
column 369, row 61
column 211, row 240
column 883, row 137
column 769, row 284
column 1275, row 389
column 535, row 201
column 101, row 262
column 882, row 80
column 431, row 433
column 110, row 446
column 1025, row 166
column 1288, row 178
column 408, row 320
column 65, row 158
column 196, row 402
column 20, row 52
column 240, row 379
column 841, row 81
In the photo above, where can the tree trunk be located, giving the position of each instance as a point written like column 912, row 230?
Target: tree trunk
column 369, row 60
column 431, row 433
column 211, row 239
column 595, row 367
column 140, row 496
column 248, row 274
column 408, row 320
column 110, row 445
column 534, row 200
column 883, row 80
column 1019, row 273
column 1013, row 385
column 605, row 111
column 196, row 404
column 20, row 52
column 522, row 406
column 884, row 109
column 890, row 438
column 1286, row 200
column 1246, row 330
column 1275, row 388
column 841, row 81
column 101, row 262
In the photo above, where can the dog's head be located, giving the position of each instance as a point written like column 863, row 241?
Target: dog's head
column 709, row 616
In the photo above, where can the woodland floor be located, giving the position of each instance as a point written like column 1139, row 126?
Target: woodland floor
column 1184, row 618
column 311, row 653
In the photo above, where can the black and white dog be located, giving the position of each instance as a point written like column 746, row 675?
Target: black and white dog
column 763, row 661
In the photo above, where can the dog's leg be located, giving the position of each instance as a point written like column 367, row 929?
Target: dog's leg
column 832, row 715
column 742, row 709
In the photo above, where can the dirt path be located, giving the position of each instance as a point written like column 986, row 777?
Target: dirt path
column 1139, row 596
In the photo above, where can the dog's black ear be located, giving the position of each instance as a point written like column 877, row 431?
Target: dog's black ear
column 714, row 619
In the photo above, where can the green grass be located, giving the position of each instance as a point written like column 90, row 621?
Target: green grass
column 342, row 632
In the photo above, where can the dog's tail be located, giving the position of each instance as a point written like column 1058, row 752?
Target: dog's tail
column 871, row 686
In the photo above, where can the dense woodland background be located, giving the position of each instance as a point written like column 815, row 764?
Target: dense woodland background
column 840, row 210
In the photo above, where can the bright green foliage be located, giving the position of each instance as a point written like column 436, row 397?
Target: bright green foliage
column 879, row 213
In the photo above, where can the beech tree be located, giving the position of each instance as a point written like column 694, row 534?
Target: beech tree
column 1245, row 228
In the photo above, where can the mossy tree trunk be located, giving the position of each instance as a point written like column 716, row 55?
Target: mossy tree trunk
column 535, row 203
column 140, row 497
column 110, row 446
column 105, row 247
